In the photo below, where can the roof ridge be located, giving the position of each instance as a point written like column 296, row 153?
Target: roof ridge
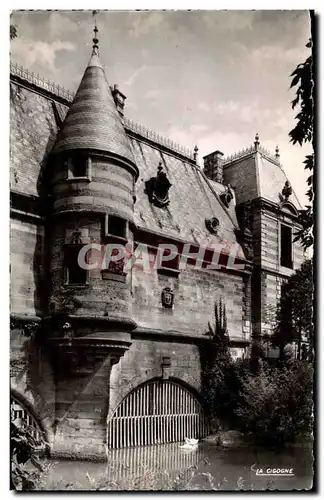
column 60, row 91
column 149, row 134
column 35, row 79
column 249, row 150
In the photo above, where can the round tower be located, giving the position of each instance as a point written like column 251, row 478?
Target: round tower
column 92, row 177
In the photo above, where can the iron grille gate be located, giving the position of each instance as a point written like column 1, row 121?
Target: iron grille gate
column 155, row 413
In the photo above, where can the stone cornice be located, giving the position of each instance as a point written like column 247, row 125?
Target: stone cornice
column 144, row 333
column 275, row 208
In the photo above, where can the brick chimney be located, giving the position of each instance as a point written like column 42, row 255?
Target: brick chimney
column 119, row 99
column 213, row 166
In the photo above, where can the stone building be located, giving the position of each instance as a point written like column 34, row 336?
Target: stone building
column 93, row 351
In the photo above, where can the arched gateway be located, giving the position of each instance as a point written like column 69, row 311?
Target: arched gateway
column 159, row 411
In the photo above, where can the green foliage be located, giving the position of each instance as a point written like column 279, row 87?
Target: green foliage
column 295, row 311
column 219, row 375
column 303, row 132
column 276, row 405
column 25, row 463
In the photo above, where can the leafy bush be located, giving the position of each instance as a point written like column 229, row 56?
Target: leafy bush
column 26, row 467
column 275, row 405
column 220, row 374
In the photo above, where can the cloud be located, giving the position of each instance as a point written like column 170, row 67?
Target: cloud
column 152, row 94
column 198, row 128
column 42, row 53
column 229, row 20
column 240, row 111
column 203, row 106
column 142, row 23
column 59, row 26
column 271, row 53
column 135, row 75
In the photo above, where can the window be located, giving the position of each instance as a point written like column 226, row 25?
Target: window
column 286, row 246
column 169, row 266
column 117, row 226
column 286, row 306
column 78, row 166
column 75, row 274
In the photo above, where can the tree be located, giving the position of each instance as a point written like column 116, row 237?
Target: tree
column 219, row 378
column 276, row 405
column 26, row 466
column 294, row 320
column 303, row 132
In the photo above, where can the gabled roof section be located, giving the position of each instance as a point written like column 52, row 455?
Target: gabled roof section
column 272, row 179
column 256, row 173
column 92, row 121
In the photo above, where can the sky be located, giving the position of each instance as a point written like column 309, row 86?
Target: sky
column 211, row 78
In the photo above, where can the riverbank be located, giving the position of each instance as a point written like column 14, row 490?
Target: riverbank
column 233, row 438
column 170, row 468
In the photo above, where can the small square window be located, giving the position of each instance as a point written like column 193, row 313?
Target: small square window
column 117, row 226
column 78, row 166
column 76, row 275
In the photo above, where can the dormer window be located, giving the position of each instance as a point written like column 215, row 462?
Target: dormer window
column 78, row 166
column 157, row 188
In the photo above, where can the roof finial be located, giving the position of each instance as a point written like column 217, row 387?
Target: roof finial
column 195, row 153
column 95, row 47
column 277, row 153
column 257, row 141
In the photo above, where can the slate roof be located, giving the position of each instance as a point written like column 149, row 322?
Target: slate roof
column 272, row 178
column 193, row 198
column 256, row 174
column 93, row 121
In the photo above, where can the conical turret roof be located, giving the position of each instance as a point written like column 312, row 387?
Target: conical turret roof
column 92, row 121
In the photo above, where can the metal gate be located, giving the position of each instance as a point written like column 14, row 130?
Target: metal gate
column 22, row 417
column 155, row 413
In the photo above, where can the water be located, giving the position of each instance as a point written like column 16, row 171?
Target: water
column 166, row 467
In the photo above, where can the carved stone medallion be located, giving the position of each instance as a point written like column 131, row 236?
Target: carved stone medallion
column 212, row 225
column 167, row 297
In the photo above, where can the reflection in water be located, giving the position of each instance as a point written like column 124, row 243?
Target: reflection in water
column 158, row 467
column 169, row 459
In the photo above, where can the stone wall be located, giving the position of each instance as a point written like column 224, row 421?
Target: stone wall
column 242, row 176
column 195, row 294
column 143, row 362
column 99, row 296
column 32, row 378
column 269, row 274
column 26, row 266
column 81, row 408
